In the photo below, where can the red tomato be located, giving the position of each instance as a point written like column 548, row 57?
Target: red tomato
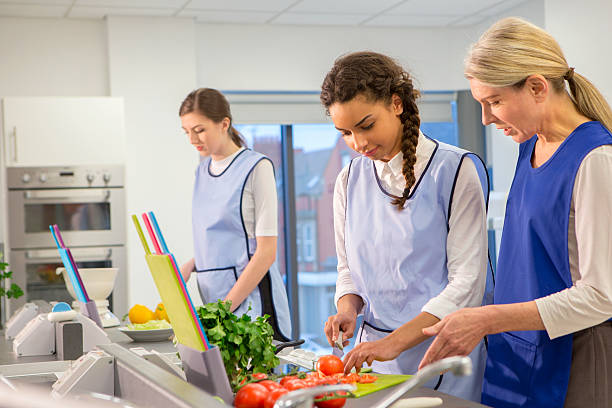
column 287, row 378
column 294, row 385
column 367, row 378
column 351, row 378
column 269, row 384
column 273, row 396
column 251, row 396
column 260, row 376
column 331, row 403
column 327, row 380
column 330, row 364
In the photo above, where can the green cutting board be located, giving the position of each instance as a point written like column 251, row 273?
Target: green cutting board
column 383, row 381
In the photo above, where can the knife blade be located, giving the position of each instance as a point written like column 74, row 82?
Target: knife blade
column 338, row 349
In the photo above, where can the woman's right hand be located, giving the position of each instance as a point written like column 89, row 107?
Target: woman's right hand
column 344, row 321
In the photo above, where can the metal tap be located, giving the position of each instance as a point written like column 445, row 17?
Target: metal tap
column 459, row 366
column 304, row 398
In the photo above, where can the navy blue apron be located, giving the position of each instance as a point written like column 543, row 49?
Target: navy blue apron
column 526, row 368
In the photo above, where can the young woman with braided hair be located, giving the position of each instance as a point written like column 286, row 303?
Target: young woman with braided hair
column 409, row 218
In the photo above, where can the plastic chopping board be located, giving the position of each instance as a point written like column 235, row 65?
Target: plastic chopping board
column 383, row 381
column 175, row 302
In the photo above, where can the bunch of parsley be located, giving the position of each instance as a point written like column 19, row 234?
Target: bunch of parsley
column 245, row 345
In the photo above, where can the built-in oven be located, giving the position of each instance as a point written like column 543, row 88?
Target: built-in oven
column 34, row 270
column 88, row 205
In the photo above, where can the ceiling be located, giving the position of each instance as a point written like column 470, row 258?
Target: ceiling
column 370, row 13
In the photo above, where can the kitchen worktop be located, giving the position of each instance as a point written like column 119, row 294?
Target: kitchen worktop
column 8, row 358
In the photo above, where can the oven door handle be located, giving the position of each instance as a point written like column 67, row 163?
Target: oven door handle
column 52, row 195
column 80, row 254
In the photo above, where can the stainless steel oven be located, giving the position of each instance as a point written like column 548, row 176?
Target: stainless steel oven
column 34, row 271
column 88, row 205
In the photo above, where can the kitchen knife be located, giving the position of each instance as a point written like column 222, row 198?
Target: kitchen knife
column 338, row 349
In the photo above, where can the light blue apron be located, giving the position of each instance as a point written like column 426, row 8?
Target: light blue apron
column 222, row 247
column 398, row 259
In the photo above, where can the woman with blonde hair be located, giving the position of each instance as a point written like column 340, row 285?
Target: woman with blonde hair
column 549, row 331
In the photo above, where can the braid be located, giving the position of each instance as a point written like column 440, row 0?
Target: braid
column 378, row 78
column 410, row 138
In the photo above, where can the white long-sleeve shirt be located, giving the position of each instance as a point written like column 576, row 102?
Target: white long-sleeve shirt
column 466, row 245
column 589, row 301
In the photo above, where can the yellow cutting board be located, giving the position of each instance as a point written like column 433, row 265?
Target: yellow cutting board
column 383, row 381
column 176, row 304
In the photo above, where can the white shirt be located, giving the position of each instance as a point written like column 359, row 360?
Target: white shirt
column 259, row 204
column 466, row 244
column 589, row 301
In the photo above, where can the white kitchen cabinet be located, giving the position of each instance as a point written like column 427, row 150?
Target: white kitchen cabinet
column 57, row 131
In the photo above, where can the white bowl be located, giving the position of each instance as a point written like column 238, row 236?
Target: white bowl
column 99, row 282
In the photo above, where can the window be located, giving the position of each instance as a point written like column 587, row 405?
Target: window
column 319, row 154
column 266, row 139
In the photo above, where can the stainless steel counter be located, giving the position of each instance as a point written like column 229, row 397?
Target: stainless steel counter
column 172, row 385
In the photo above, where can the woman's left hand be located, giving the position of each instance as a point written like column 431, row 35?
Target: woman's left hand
column 456, row 335
column 380, row 350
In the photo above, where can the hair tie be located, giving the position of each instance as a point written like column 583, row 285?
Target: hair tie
column 569, row 74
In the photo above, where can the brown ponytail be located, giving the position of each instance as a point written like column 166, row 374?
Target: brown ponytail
column 212, row 104
column 378, row 78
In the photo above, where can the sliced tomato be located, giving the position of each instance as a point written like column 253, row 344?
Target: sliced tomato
column 367, row 378
column 351, row 378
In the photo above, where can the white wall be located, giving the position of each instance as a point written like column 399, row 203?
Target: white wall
column 584, row 31
column 53, row 57
column 256, row 57
column 152, row 66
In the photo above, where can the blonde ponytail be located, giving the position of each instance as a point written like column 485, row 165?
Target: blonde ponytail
column 589, row 101
column 513, row 49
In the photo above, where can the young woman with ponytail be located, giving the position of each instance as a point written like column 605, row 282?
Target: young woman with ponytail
column 234, row 215
column 550, row 329
column 409, row 218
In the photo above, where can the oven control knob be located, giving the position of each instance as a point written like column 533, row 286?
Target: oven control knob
column 26, row 177
column 42, row 177
column 90, row 177
column 106, row 177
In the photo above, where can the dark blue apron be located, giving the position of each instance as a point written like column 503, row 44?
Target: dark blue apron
column 526, row 368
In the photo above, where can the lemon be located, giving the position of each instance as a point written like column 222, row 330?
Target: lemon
column 160, row 313
column 140, row 314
